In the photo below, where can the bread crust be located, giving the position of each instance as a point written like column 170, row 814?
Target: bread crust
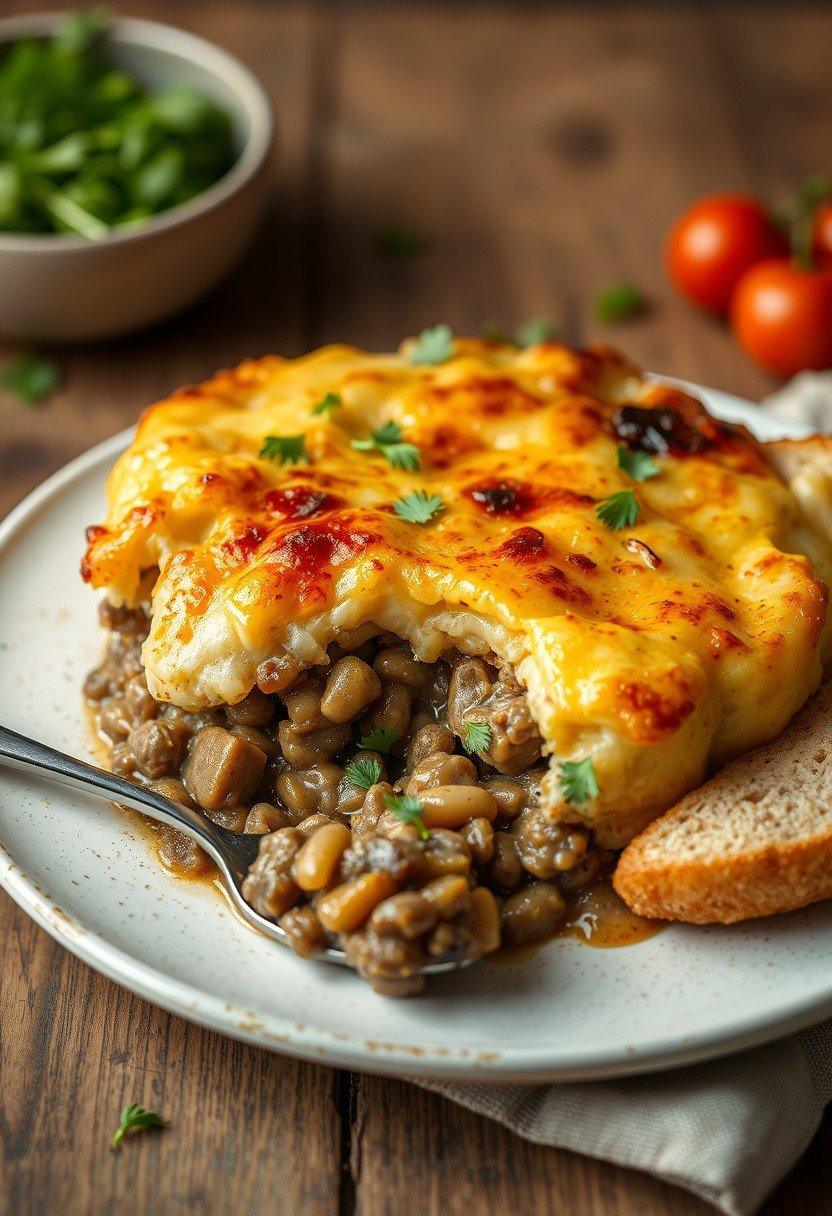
column 721, row 855
column 790, row 456
column 724, row 891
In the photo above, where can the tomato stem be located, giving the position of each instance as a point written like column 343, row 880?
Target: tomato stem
column 799, row 215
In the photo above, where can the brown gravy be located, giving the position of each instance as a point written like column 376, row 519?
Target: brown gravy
column 596, row 916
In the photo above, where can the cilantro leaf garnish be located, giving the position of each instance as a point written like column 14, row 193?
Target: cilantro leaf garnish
column 135, row 1118
column 478, row 736
column 288, row 449
column 389, row 433
column 408, row 810
column 418, row 507
column 619, row 511
column 494, row 333
column 388, row 441
column 30, row 377
column 433, row 345
column 403, row 456
column 80, row 30
column 619, row 303
column 528, row 333
column 637, row 465
column 535, row 330
column 379, row 741
column 578, row 782
column 398, row 241
column 363, row 772
column 327, row 403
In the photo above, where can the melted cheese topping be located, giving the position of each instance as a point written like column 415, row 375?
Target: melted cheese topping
column 657, row 650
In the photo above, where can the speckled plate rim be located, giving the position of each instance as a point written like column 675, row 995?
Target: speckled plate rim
column 275, row 1033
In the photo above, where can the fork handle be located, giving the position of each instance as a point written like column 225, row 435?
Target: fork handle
column 30, row 756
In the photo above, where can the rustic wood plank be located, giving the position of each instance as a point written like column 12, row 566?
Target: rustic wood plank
column 544, row 151
column 250, row 1132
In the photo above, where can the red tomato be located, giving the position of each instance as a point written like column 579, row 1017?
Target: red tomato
column 822, row 234
column 782, row 316
column 714, row 242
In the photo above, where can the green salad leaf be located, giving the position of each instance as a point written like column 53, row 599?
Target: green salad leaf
column 86, row 148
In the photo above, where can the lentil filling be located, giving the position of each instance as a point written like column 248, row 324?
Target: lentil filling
column 396, row 801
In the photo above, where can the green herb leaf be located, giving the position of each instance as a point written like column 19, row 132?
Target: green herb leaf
column 363, row 772
column 493, row 333
column 135, row 1119
column 535, row 330
column 327, row 403
column 288, row 449
column 433, row 346
column 387, row 441
column 80, row 30
column 418, row 507
column 619, row 303
column 619, row 510
column 398, row 241
column 379, row 741
column 578, row 782
column 404, row 456
column 409, row 810
column 637, row 465
column 86, row 148
column 30, row 377
column 72, row 217
column 391, row 432
column 182, row 110
column 156, row 183
column 478, row 736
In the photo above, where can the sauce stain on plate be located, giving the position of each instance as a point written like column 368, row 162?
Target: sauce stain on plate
column 597, row 917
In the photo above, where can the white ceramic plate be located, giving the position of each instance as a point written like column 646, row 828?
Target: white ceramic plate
column 570, row 1012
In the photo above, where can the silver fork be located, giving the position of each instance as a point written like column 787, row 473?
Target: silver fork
column 233, row 852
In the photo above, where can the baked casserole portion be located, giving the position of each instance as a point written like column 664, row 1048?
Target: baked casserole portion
column 623, row 593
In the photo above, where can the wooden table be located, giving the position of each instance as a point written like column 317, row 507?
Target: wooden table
column 542, row 151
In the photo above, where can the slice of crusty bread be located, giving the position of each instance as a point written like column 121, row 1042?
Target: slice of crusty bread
column 755, row 840
column 793, row 456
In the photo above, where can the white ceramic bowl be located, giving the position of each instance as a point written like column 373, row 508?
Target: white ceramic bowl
column 56, row 288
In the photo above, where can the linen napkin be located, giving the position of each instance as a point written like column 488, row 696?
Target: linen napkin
column 807, row 398
column 728, row 1130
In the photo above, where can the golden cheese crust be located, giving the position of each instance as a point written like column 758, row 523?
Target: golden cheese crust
column 658, row 649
